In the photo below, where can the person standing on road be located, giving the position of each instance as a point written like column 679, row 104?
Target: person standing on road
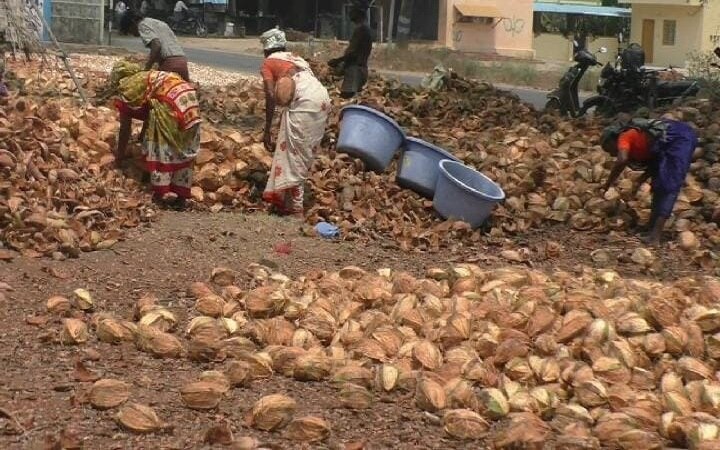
column 180, row 11
column 120, row 11
column 165, row 50
column 144, row 8
column 290, row 83
column 665, row 149
column 354, row 63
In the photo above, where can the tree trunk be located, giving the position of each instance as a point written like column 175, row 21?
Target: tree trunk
column 404, row 23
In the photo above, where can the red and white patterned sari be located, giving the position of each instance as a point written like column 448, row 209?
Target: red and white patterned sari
column 302, row 128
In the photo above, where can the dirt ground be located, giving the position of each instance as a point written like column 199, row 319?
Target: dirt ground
column 41, row 390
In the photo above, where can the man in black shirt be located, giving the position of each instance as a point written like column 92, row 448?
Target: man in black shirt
column 355, row 60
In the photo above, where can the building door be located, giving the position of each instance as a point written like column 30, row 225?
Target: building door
column 648, row 39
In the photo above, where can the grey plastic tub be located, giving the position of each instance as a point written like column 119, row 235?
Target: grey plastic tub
column 420, row 166
column 465, row 194
column 370, row 136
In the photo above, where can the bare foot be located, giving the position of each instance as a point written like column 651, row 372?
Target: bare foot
column 650, row 239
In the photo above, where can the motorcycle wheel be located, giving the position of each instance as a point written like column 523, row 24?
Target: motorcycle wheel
column 201, row 31
column 605, row 109
column 553, row 106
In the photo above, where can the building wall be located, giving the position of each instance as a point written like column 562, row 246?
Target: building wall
column 575, row 2
column 688, row 36
column 556, row 47
column 513, row 36
column 78, row 21
column 711, row 27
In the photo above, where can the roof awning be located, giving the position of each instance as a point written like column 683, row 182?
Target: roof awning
column 472, row 10
column 602, row 11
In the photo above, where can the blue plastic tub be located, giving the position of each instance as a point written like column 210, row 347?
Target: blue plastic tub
column 420, row 166
column 370, row 136
column 465, row 194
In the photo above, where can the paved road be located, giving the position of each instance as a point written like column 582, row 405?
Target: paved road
column 251, row 64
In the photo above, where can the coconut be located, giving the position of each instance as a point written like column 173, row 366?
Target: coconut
column 202, row 395
column 139, row 418
column 430, row 395
column 158, row 343
column 272, row 412
column 83, row 299
column 428, row 355
column 222, row 276
column 494, row 403
column 312, row 367
column 218, row 378
column 74, row 331
column 354, row 396
column 307, row 429
column 114, row 331
column 159, row 318
column 58, row 305
column 108, row 393
column 210, row 305
column 464, row 424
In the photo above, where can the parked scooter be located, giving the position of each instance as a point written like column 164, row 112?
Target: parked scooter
column 191, row 24
column 564, row 98
column 627, row 86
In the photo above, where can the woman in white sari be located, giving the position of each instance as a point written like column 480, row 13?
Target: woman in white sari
column 302, row 125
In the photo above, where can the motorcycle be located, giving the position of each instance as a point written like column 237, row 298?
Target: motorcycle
column 564, row 98
column 191, row 24
column 627, row 86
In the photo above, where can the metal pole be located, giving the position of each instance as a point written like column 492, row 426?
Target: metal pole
column 381, row 26
column 391, row 22
column 317, row 18
column 112, row 21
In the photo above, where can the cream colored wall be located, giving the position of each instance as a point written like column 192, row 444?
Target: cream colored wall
column 711, row 26
column 511, row 37
column 690, row 20
column 444, row 27
column 552, row 47
column 555, row 47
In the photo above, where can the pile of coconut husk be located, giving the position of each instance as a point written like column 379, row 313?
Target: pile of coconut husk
column 550, row 168
column 509, row 356
column 59, row 195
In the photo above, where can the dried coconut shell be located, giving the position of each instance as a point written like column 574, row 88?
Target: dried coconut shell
column 158, row 343
column 74, row 331
column 307, row 429
column 218, row 378
column 139, row 418
column 201, row 395
column 222, row 276
column 83, row 299
column 58, row 305
column 312, row 367
column 353, row 396
column 114, row 331
column 428, row 355
column 210, row 305
column 108, row 393
column 272, row 412
column 159, row 318
column 464, row 424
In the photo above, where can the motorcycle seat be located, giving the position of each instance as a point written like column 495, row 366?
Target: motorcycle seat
column 676, row 85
